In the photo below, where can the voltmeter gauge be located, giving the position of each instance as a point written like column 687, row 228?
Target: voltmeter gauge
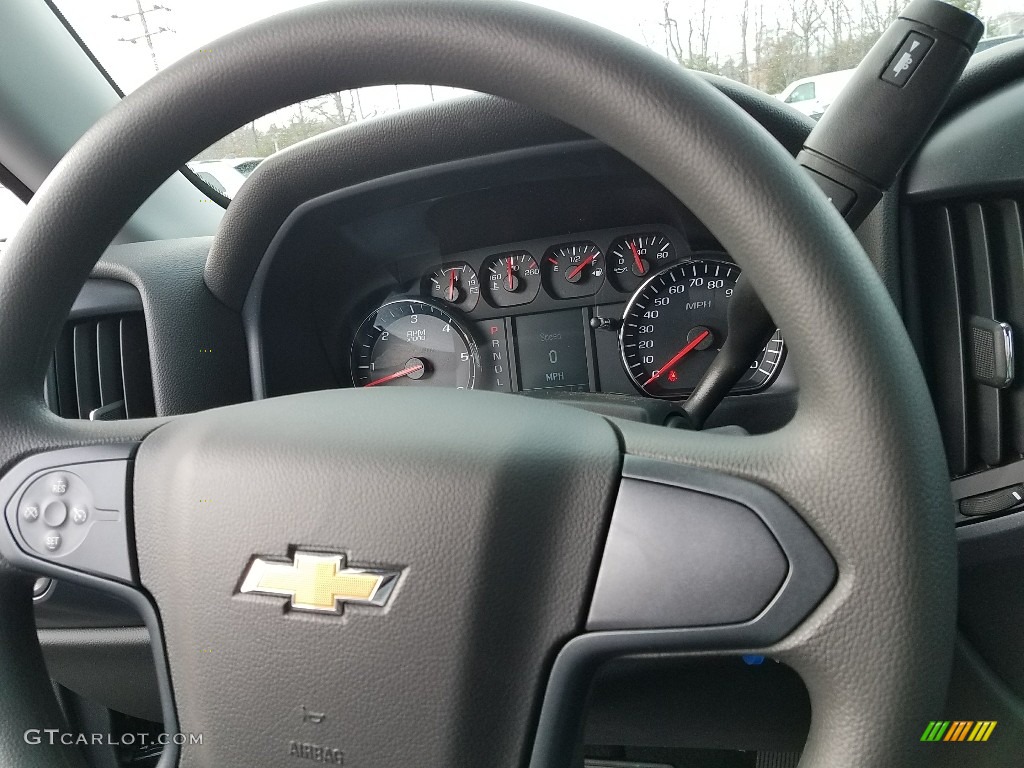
column 455, row 284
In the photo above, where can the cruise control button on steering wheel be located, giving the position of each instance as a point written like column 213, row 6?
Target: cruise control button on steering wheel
column 48, row 497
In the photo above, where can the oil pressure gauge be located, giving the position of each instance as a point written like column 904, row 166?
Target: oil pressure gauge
column 634, row 258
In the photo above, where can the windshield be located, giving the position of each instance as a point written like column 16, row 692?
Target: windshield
column 773, row 45
column 12, row 211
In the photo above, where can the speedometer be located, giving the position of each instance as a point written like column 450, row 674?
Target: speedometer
column 675, row 324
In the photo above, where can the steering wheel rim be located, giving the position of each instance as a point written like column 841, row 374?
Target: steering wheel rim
column 862, row 462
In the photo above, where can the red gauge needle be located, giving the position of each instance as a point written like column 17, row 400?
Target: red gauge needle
column 451, row 285
column 679, row 355
column 636, row 257
column 395, row 375
column 580, row 267
column 508, row 271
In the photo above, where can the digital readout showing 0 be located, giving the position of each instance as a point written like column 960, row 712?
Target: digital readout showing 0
column 552, row 351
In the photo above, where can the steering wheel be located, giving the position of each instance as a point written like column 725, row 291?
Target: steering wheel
column 511, row 545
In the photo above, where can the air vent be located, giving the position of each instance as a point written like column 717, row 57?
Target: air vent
column 969, row 260
column 100, row 370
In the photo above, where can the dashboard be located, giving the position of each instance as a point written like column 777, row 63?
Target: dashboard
column 566, row 280
column 625, row 311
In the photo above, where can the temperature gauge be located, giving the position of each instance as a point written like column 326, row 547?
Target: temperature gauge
column 455, row 284
column 632, row 259
column 512, row 278
column 574, row 269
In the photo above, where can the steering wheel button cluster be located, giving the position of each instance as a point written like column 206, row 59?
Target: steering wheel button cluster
column 74, row 512
column 56, row 496
column 55, row 514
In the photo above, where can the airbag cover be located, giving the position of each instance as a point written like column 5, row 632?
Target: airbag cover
column 491, row 507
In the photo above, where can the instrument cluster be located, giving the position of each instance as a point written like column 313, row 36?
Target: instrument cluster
column 630, row 311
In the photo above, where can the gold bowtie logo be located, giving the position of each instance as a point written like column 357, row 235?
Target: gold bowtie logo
column 316, row 582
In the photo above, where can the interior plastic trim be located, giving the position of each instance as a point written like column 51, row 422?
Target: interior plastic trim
column 101, row 296
column 976, row 152
column 811, row 575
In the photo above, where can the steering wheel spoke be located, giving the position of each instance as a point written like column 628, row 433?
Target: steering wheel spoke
column 722, row 558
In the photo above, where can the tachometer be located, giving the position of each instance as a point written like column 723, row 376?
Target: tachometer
column 675, row 324
column 413, row 343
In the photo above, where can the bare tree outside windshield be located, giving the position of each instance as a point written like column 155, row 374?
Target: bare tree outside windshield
column 799, row 50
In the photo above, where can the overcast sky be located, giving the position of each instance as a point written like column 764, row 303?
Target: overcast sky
column 197, row 22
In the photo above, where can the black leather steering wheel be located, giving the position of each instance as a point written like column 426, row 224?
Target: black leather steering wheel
column 502, row 516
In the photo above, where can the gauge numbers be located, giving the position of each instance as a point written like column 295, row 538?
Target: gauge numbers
column 455, row 284
column 675, row 325
column 632, row 259
column 512, row 278
column 574, row 269
column 413, row 343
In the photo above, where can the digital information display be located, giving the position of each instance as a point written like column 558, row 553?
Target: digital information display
column 553, row 350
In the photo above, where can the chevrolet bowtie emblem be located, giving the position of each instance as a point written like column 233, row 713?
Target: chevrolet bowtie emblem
column 317, row 582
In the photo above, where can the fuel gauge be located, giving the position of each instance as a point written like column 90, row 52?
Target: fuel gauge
column 574, row 269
